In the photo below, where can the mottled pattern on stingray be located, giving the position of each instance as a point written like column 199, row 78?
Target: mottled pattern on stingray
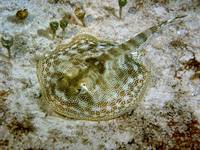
column 90, row 79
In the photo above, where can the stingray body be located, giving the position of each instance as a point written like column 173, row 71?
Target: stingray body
column 91, row 79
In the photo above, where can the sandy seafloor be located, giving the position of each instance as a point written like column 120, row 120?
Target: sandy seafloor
column 167, row 118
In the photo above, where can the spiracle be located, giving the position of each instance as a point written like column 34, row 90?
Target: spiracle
column 92, row 79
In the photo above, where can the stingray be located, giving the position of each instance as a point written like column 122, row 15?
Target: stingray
column 93, row 79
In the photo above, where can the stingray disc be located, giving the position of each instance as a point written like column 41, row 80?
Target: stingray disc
column 90, row 79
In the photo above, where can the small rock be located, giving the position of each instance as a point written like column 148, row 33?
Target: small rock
column 132, row 10
column 89, row 19
column 160, row 11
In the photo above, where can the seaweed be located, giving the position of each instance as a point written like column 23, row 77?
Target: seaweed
column 22, row 14
column 80, row 13
column 7, row 42
column 54, row 27
column 121, row 3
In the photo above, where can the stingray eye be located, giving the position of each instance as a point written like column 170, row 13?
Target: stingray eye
column 83, row 88
column 79, row 90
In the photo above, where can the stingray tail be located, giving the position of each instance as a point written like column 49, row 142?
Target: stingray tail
column 140, row 38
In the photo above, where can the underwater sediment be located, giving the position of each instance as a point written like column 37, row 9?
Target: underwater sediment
column 111, row 91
